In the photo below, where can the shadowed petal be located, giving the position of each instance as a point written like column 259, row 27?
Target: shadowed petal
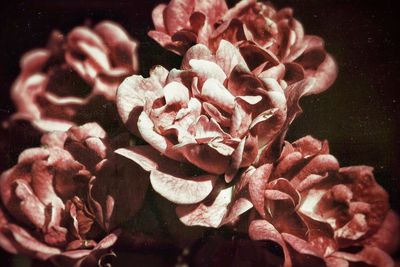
column 257, row 185
column 370, row 255
column 263, row 230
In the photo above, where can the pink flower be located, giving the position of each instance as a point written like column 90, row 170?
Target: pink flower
column 63, row 201
column 183, row 23
column 274, row 41
column 279, row 33
column 59, row 85
column 316, row 211
column 210, row 119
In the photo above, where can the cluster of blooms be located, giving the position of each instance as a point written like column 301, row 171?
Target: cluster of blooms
column 209, row 140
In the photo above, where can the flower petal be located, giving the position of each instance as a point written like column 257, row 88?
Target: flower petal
column 214, row 91
column 158, row 17
column 177, row 14
column 198, row 51
column 263, row 230
column 208, row 215
column 206, row 70
column 158, row 141
column 370, row 255
column 131, row 97
column 180, row 190
column 257, row 185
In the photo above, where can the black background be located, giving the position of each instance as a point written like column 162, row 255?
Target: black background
column 358, row 115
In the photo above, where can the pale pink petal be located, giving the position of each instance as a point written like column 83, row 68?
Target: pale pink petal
column 198, row 51
column 176, row 93
column 215, row 92
column 208, row 215
column 228, row 56
column 179, row 190
column 206, row 70
column 159, row 142
column 241, row 82
column 177, row 14
column 131, row 97
column 158, row 17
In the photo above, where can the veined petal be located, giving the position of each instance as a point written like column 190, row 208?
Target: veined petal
column 180, row 190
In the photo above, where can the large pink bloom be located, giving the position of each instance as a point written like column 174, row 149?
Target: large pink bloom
column 272, row 39
column 212, row 118
column 64, row 200
column 279, row 33
column 62, row 84
column 317, row 212
column 183, row 23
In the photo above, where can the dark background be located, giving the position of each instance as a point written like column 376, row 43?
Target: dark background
column 358, row 115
